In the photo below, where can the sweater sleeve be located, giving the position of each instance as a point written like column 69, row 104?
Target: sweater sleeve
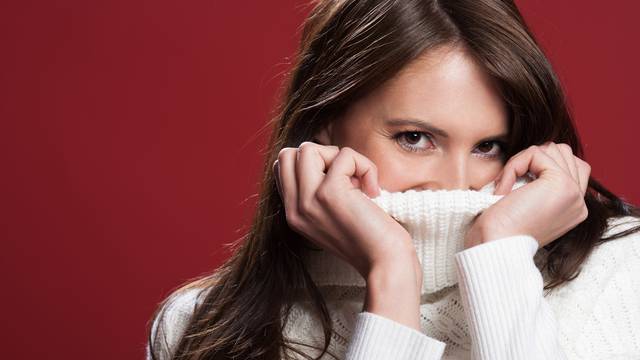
column 502, row 293
column 376, row 337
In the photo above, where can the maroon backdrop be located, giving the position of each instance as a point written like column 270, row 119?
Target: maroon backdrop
column 131, row 152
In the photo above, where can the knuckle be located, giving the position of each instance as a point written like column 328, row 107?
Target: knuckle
column 565, row 147
column 347, row 150
column 374, row 167
column 306, row 208
column 535, row 150
column 583, row 164
column 322, row 194
column 292, row 219
column 282, row 152
column 306, row 145
column 584, row 214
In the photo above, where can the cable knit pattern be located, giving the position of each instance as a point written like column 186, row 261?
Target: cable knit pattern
column 599, row 311
column 495, row 308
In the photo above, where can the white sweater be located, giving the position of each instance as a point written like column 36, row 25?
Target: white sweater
column 496, row 311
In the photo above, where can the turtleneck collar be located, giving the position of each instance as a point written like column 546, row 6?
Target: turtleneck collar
column 437, row 221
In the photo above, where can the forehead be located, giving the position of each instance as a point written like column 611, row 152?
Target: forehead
column 444, row 86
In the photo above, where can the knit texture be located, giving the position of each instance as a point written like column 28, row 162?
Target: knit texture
column 499, row 309
column 436, row 220
column 496, row 310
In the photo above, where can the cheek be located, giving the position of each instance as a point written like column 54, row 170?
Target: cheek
column 485, row 172
column 396, row 173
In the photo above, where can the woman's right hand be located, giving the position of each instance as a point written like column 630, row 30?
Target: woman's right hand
column 321, row 190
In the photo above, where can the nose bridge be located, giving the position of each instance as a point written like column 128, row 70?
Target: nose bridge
column 455, row 173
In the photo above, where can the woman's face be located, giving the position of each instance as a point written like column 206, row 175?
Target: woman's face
column 438, row 124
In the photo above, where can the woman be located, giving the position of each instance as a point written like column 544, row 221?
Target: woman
column 422, row 96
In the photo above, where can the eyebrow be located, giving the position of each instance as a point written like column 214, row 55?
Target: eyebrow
column 424, row 125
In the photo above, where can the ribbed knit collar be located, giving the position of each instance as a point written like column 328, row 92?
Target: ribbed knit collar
column 437, row 221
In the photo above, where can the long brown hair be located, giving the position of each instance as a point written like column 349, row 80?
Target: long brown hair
column 348, row 48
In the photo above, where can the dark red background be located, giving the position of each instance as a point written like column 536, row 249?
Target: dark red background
column 130, row 147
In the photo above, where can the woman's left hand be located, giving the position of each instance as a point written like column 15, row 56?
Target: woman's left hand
column 545, row 208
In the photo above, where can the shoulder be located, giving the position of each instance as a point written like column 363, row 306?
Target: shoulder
column 613, row 256
column 610, row 259
column 171, row 321
column 179, row 306
column 605, row 269
column 619, row 257
column 601, row 305
column 626, row 247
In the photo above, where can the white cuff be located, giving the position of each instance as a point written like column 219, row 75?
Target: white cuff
column 502, row 292
column 376, row 337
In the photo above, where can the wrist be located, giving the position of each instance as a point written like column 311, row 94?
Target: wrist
column 474, row 236
column 481, row 233
column 400, row 275
column 393, row 291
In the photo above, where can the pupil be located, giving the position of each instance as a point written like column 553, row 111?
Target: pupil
column 414, row 137
column 485, row 145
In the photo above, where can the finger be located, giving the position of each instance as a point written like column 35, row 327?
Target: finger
column 551, row 149
column 350, row 163
column 534, row 160
column 313, row 162
column 499, row 176
column 567, row 152
column 287, row 159
column 584, row 171
column 289, row 185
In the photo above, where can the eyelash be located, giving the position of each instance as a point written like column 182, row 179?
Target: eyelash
column 397, row 137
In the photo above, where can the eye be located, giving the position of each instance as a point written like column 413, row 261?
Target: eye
column 412, row 140
column 492, row 148
column 417, row 141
